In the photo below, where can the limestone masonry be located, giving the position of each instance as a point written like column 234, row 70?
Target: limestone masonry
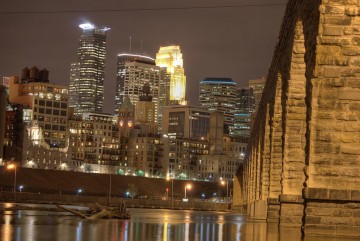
column 302, row 167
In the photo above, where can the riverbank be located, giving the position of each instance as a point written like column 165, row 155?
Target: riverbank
column 69, row 183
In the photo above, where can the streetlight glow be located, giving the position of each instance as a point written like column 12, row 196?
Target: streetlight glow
column 10, row 167
column 188, row 186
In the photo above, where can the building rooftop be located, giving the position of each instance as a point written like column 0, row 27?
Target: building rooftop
column 212, row 80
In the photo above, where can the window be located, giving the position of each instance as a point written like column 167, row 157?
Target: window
column 49, row 103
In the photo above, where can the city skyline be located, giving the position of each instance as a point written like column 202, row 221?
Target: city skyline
column 211, row 45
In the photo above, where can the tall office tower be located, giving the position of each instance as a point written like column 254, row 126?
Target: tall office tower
column 87, row 85
column 257, row 86
column 244, row 107
column 170, row 57
column 138, row 73
column 74, row 87
column 121, row 75
column 219, row 94
column 245, row 101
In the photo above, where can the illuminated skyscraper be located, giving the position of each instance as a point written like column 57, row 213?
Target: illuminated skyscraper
column 88, row 74
column 219, row 94
column 133, row 71
column 170, row 57
column 257, row 87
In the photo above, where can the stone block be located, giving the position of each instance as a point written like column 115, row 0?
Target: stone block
column 356, row 213
column 288, row 198
column 319, row 230
column 350, row 138
column 316, row 193
column 354, row 106
column 335, row 220
column 351, row 50
column 349, row 94
column 342, row 213
column 353, row 82
column 272, row 201
column 316, row 211
column 348, row 231
column 338, row 41
column 331, row 9
column 355, row 195
column 350, row 148
column 352, row 30
column 332, row 60
column 312, row 220
column 339, row 20
column 321, row 147
column 333, row 30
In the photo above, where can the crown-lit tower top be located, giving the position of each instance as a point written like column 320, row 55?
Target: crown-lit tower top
column 170, row 57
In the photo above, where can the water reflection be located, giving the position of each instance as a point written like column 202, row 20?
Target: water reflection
column 145, row 224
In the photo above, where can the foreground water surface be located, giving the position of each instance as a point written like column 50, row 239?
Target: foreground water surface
column 144, row 225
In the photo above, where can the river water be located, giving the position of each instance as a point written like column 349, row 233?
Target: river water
column 144, row 225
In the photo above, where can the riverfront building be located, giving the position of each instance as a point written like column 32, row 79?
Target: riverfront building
column 94, row 138
column 45, row 103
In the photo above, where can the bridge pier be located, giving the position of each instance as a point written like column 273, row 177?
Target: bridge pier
column 291, row 210
column 302, row 166
column 273, row 211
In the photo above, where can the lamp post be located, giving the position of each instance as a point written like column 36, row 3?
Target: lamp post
column 9, row 167
column 188, row 186
column 227, row 192
column 172, row 189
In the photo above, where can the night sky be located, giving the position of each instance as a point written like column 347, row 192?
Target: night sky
column 215, row 42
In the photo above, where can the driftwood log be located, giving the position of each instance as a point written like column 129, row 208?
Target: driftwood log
column 98, row 211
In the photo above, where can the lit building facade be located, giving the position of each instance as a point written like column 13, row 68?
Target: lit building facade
column 219, row 94
column 88, row 73
column 170, row 57
column 257, row 87
column 46, row 104
column 136, row 75
column 94, row 138
column 145, row 114
column 183, row 154
column 186, row 122
column 122, row 76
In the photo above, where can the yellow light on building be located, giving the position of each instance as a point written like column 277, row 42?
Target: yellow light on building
column 170, row 57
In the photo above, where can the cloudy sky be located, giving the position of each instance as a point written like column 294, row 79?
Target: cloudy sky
column 236, row 42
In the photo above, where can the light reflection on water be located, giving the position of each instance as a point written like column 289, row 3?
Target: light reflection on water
column 145, row 224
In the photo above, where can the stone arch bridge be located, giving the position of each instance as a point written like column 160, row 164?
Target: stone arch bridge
column 302, row 167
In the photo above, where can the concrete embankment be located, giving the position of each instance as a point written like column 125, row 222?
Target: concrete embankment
column 52, row 186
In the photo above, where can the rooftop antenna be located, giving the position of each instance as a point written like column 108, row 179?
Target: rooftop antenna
column 129, row 44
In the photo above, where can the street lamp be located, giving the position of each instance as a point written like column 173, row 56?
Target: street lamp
column 188, row 186
column 172, row 189
column 79, row 191
column 21, row 188
column 9, row 167
column 227, row 191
